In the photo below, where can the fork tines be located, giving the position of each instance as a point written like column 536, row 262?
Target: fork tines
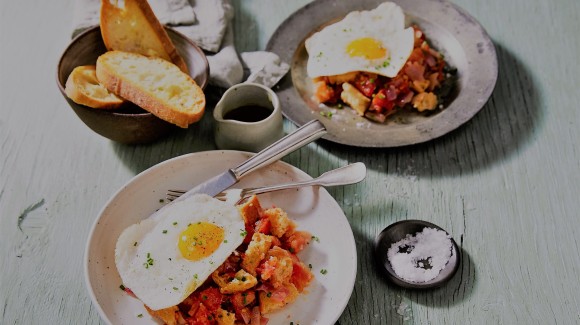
column 173, row 194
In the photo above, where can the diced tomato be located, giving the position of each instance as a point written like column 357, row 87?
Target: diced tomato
column 381, row 103
column 202, row 317
column 276, row 242
column 186, row 304
column 366, row 84
column 211, row 298
column 264, row 226
column 267, row 268
column 327, row 93
column 298, row 241
column 249, row 233
column 194, row 305
column 301, row 276
column 240, row 302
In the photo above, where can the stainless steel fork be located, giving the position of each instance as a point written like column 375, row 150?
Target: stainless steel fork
column 349, row 174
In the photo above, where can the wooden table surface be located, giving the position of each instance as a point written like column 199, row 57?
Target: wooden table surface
column 505, row 184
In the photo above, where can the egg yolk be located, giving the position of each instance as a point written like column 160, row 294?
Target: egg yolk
column 366, row 47
column 200, row 240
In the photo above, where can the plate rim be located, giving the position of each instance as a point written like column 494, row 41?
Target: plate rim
column 426, row 130
column 342, row 301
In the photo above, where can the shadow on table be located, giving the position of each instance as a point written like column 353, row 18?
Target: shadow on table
column 198, row 137
column 504, row 125
column 376, row 300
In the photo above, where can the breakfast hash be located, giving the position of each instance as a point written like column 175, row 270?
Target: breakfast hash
column 262, row 275
column 376, row 66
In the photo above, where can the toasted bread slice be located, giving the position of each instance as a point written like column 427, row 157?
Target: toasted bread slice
column 134, row 28
column 154, row 84
column 83, row 88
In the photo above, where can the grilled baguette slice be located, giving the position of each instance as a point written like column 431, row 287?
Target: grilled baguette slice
column 134, row 28
column 83, row 88
column 154, row 84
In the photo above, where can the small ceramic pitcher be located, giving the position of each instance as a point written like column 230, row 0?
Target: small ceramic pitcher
column 248, row 118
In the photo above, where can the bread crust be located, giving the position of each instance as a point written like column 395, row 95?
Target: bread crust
column 113, row 19
column 83, row 88
column 137, row 90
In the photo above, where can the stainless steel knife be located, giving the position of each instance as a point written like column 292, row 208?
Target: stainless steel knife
column 297, row 139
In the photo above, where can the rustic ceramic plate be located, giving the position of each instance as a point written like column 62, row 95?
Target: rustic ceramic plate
column 448, row 28
column 313, row 209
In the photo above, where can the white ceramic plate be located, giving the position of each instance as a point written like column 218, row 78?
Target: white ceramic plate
column 313, row 209
column 450, row 29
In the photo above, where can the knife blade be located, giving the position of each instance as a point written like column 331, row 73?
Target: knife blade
column 291, row 142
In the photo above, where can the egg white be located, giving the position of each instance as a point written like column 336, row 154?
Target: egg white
column 171, row 278
column 327, row 54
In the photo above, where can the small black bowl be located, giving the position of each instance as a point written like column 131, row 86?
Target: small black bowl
column 129, row 124
column 399, row 230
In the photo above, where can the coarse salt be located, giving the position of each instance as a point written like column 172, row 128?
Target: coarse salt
column 420, row 258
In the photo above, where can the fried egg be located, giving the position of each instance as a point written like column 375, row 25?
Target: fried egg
column 374, row 41
column 166, row 257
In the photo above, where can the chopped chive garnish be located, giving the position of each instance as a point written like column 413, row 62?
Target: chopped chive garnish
column 149, row 261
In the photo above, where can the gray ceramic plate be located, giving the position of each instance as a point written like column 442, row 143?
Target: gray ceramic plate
column 448, row 28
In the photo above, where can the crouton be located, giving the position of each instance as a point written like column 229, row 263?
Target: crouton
column 270, row 301
column 168, row 315
column 242, row 281
column 296, row 241
column 342, row 78
column 279, row 221
column 282, row 261
column 354, row 98
column 256, row 252
column 224, row 317
column 425, row 101
column 250, row 210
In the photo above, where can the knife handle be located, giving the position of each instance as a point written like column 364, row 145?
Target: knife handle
column 297, row 139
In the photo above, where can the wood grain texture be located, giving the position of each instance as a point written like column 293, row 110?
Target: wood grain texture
column 505, row 185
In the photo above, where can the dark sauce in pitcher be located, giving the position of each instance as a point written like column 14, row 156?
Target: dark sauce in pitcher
column 249, row 113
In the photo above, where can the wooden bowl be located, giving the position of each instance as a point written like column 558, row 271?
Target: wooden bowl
column 129, row 124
